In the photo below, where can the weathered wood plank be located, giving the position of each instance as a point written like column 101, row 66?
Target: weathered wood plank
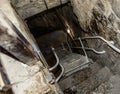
column 28, row 8
column 16, row 48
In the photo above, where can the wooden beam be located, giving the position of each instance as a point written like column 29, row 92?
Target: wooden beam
column 27, row 9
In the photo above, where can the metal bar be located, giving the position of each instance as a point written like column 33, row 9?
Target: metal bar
column 55, row 66
column 78, row 68
column 69, row 47
column 46, row 4
column 63, row 47
column 57, row 60
column 61, row 74
column 91, row 49
column 83, row 48
column 107, row 42
column 39, row 53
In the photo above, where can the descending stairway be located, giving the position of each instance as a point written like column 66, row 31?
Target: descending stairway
column 83, row 82
column 92, row 78
column 69, row 63
column 72, row 62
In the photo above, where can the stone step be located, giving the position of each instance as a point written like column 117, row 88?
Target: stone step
column 72, row 62
column 85, row 81
column 95, row 68
column 80, row 76
column 94, row 81
column 74, row 79
column 62, row 53
column 112, row 86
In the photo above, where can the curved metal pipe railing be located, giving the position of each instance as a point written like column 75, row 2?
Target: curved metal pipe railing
column 61, row 74
column 107, row 42
column 57, row 60
column 55, row 66
column 91, row 49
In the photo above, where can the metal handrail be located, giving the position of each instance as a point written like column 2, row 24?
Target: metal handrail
column 106, row 41
column 55, row 66
column 91, row 49
column 69, row 46
column 63, row 47
column 83, row 49
column 57, row 60
column 40, row 55
column 61, row 74
column 86, row 48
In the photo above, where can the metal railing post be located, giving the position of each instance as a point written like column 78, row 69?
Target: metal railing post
column 83, row 49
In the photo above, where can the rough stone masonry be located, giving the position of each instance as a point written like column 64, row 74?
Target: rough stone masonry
column 102, row 17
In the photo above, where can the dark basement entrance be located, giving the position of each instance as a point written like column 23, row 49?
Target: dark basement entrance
column 58, row 33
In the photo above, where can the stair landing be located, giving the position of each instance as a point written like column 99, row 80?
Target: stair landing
column 72, row 62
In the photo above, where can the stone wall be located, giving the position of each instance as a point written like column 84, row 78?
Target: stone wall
column 100, row 17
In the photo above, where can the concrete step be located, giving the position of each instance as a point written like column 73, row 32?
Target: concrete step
column 85, row 81
column 79, row 76
column 94, row 81
column 112, row 86
column 73, row 63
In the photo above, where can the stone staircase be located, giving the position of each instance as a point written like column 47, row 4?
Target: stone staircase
column 79, row 75
column 72, row 62
column 85, row 81
column 78, row 79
